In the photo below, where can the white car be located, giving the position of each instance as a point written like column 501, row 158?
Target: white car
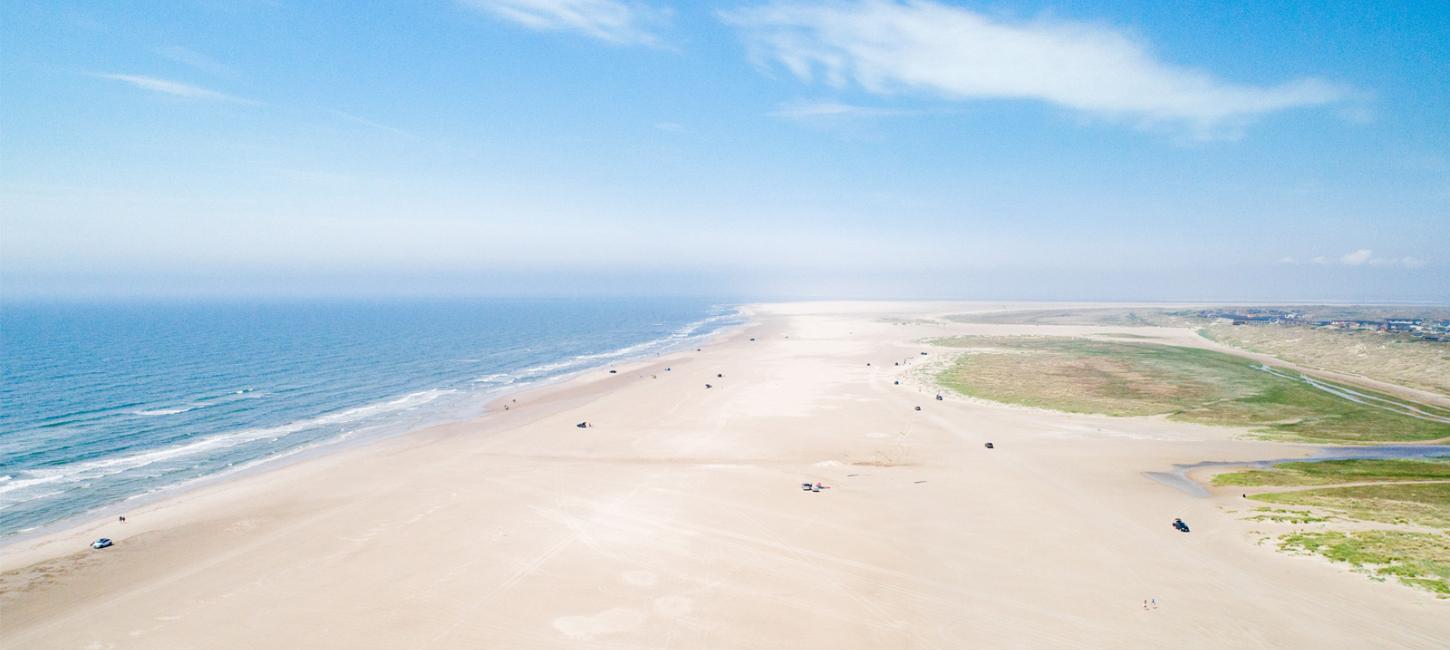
column 102, row 543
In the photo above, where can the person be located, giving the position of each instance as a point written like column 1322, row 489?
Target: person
column 122, row 518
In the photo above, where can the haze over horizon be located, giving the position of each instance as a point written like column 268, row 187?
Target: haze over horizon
column 1042, row 150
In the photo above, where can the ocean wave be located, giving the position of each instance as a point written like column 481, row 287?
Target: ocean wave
column 239, row 394
column 685, row 332
column 170, row 411
column 100, row 468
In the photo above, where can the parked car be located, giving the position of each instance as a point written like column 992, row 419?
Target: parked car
column 1182, row 527
column 102, row 543
column 989, row 446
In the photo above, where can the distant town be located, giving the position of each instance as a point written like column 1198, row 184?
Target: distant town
column 1421, row 328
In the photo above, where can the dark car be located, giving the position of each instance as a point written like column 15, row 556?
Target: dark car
column 1178, row 524
column 989, row 446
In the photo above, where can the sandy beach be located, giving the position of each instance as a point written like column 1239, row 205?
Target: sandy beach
column 677, row 520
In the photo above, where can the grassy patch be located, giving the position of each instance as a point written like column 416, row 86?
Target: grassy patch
column 1395, row 358
column 1340, row 471
column 1090, row 316
column 1424, row 504
column 1189, row 384
column 1286, row 516
column 1417, row 559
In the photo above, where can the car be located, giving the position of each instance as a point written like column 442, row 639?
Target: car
column 102, row 543
column 1182, row 527
column 989, row 446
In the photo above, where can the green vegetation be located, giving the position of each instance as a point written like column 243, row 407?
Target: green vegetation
column 1188, row 384
column 1396, row 358
column 1422, row 504
column 1330, row 472
column 1416, row 559
column 1109, row 316
column 1394, row 492
column 1286, row 516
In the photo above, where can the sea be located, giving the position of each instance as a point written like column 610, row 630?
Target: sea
column 103, row 404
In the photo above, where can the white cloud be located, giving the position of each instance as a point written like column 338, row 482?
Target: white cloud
column 888, row 47
column 176, row 88
column 1360, row 257
column 612, row 21
column 807, row 110
column 370, row 123
column 1407, row 262
column 192, row 58
column 1355, row 258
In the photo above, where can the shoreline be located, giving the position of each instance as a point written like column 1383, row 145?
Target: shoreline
column 488, row 403
column 678, row 520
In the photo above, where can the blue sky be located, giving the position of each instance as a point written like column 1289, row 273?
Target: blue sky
column 1055, row 150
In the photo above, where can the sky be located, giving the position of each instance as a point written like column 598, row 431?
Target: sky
column 1291, row 151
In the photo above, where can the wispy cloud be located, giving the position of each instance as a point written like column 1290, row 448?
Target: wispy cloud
column 1408, row 262
column 829, row 109
column 194, row 59
column 673, row 127
column 888, row 47
column 1359, row 257
column 370, row 123
column 175, row 88
column 612, row 21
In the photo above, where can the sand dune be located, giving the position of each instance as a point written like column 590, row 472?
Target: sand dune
column 677, row 520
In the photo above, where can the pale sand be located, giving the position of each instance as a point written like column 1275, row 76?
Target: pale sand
column 678, row 521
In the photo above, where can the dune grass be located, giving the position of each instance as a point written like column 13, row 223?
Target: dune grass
column 1329, row 472
column 1391, row 496
column 1421, row 504
column 1287, row 516
column 1188, row 384
column 1416, row 559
